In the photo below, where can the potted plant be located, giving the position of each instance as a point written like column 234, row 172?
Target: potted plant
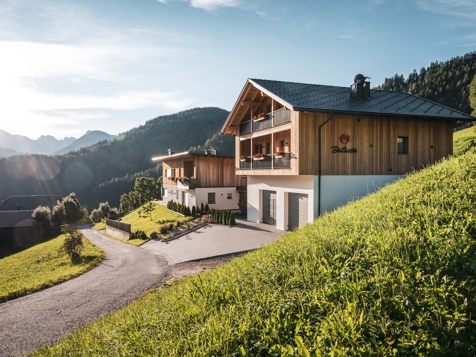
column 260, row 116
column 243, row 158
column 279, row 153
column 258, row 156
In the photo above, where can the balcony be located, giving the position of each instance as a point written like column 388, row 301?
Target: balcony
column 268, row 162
column 275, row 118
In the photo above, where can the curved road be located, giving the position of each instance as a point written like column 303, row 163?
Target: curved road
column 44, row 317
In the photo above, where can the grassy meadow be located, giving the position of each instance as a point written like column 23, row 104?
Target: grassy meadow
column 464, row 140
column 393, row 274
column 42, row 266
column 149, row 224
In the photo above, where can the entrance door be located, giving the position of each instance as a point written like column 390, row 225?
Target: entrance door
column 297, row 210
column 269, row 207
column 184, row 198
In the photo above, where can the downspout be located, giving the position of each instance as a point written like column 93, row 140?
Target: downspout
column 320, row 167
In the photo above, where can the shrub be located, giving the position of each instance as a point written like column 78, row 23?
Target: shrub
column 42, row 215
column 73, row 243
column 232, row 219
column 171, row 226
column 164, row 228
column 202, row 209
column 139, row 235
column 154, row 235
column 194, row 211
column 188, row 225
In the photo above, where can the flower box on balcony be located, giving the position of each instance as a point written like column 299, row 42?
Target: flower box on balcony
column 260, row 116
column 279, row 154
column 242, row 159
column 258, row 158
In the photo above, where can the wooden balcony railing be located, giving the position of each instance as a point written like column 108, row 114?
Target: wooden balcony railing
column 268, row 162
column 275, row 118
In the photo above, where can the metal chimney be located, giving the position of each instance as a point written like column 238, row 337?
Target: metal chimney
column 171, row 152
column 360, row 89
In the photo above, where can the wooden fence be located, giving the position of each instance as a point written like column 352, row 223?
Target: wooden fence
column 118, row 229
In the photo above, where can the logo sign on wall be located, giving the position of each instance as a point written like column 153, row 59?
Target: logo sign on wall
column 344, row 140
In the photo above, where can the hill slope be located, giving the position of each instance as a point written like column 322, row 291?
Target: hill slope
column 446, row 82
column 108, row 163
column 393, row 274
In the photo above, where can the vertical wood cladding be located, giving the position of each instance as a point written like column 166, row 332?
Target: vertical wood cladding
column 374, row 139
column 208, row 170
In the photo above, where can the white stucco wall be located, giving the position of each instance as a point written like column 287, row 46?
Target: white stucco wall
column 221, row 197
column 335, row 190
column 200, row 195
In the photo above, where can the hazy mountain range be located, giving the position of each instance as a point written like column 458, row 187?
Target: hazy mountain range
column 12, row 144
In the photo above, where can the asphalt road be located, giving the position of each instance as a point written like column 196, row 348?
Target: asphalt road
column 43, row 317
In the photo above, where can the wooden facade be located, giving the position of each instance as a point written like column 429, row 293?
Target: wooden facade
column 205, row 170
column 371, row 149
column 372, row 144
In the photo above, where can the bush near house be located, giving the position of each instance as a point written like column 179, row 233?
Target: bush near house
column 393, row 274
column 221, row 216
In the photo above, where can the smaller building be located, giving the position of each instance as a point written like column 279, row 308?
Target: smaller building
column 17, row 227
column 192, row 179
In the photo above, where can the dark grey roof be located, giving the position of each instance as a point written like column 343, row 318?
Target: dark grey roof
column 322, row 98
column 10, row 219
column 28, row 202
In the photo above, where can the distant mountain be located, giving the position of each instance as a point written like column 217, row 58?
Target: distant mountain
column 43, row 145
column 88, row 139
column 106, row 170
column 7, row 152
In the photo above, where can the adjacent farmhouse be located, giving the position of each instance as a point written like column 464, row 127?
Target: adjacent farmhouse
column 192, row 179
column 17, row 227
column 308, row 148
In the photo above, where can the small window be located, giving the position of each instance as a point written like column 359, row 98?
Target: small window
column 229, row 196
column 402, row 145
column 211, row 197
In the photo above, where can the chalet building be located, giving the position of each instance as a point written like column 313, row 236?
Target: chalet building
column 308, row 148
column 17, row 227
column 192, row 179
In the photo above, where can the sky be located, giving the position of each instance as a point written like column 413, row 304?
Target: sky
column 68, row 66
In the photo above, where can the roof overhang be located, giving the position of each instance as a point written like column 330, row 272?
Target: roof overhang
column 180, row 155
column 232, row 122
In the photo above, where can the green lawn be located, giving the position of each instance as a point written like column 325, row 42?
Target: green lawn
column 464, row 140
column 148, row 224
column 42, row 266
column 393, row 274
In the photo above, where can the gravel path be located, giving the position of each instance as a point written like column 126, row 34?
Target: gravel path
column 43, row 317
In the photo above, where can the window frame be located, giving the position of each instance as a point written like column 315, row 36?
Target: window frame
column 405, row 145
column 214, row 198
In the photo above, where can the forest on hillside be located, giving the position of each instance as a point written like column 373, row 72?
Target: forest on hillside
column 103, row 172
column 446, row 83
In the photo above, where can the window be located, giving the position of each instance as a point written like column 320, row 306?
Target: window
column 211, row 197
column 402, row 145
column 229, row 196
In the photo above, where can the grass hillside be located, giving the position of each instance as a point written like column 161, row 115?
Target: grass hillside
column 141, row 221
column 464, row 140
column 43, row 266
column 393, row 274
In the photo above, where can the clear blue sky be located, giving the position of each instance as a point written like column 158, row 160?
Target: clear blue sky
column 68, row 66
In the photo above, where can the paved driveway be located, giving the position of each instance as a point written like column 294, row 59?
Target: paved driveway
column 215, row 240
column 44, row 317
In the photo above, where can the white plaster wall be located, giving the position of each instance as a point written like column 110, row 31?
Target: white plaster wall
column 282, row 185
column 177, row 195
column 336, row 191
column 221, row 194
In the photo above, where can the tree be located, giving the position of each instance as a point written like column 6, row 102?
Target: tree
column 129, row 201
column 73, row 243
column 58, row 215
column 472, row 95
column 73, row 208
column 147, row 189
column 42, row 214
column 147, row 210
column 102, row 212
